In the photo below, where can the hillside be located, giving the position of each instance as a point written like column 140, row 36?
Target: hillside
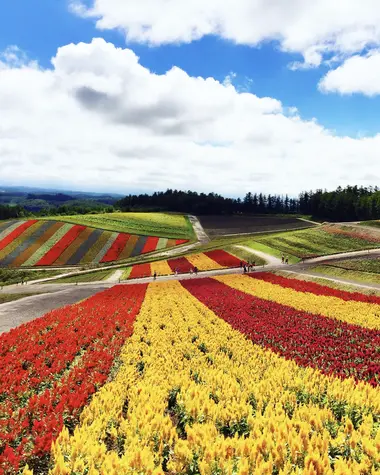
column 174, row 226
column 55, row 243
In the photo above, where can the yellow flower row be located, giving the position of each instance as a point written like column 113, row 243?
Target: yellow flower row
column 203, row 262
column 161, row 268
column 192, row 395
column 358, row 313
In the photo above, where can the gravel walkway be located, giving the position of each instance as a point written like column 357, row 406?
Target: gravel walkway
column 13, row 314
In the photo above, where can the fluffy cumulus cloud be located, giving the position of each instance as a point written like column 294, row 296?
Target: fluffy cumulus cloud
column 358, row 74
column 313, row 28
column 99, row 119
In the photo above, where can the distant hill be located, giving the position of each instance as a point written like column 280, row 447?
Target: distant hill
column 36, row 199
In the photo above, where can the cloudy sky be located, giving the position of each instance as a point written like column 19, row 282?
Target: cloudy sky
column 211, row 95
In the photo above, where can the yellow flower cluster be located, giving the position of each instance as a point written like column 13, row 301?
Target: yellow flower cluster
column 203, row 262
column 358, row 313
column 161, row 267
column 194, row 396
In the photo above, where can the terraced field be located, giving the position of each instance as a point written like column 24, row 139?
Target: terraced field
column 174, row 226
column 55, row 243
column 236, row 224
column 324, row 240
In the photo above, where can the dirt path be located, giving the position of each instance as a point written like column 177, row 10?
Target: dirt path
column 271, row 260
column 13, row 314
column 199, row 231
column 310, row 221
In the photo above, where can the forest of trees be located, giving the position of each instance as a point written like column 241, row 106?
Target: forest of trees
column 343, row 204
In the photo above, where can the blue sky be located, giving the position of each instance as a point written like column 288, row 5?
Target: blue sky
column 39, row 28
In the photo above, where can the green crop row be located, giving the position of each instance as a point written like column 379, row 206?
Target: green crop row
column 147, row 224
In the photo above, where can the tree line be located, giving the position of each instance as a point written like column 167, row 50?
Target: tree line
column 344, row 204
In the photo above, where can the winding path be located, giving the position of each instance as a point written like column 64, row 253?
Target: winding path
column 271, row 260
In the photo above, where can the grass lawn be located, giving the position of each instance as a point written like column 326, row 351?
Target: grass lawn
column 126, row 273
column 147, row 224
column 4, row 298
column 339, row 272
column 87, row 277
column 319, row 241
column 244, row 255
column 259, row 246
column 10, row 276
column 329, row 283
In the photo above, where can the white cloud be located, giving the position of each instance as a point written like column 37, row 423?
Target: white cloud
column 358, row 74
column 100, row 120
column 310, row 27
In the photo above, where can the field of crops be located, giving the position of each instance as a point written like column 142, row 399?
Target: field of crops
column 146, row 224
column 321, row 241
column 236, row 224
column 210, row 260
column 54, row 243
column 234, row 374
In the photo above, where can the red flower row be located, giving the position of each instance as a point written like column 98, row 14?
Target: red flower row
column 16, row 233
column 140, row 270
column 332, row 346
column 223, row 258
column 117, row 248
column 317, row 289
column 150, row 245
column 51, row 366
column 180, row 264
column 52, row 255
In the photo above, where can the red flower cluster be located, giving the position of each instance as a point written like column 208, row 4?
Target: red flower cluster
column 16, row 233
column 150, row 245
column 140, row 270
column 52, row 365
column 332, row 346
column 223, row 258
column 117, row 247
column 180, row 264
column 181, row 241
column 313, row 288
column 52, row 255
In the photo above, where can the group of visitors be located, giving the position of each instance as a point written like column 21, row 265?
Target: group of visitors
column 284, row 259
column 247, row 266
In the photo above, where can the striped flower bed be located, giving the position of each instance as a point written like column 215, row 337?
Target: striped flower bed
column 51, row 243
column 215, row 380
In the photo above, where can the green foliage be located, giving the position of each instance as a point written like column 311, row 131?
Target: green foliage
column 10, row 276
column 85, row 277
column 4, row 298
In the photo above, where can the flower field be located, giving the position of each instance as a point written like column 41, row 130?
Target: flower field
column 323, row 240
column 228, row 375
column 210, row 260
column 164, row 225
column 52, row 243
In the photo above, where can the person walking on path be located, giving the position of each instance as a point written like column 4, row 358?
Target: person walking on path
column 155, row 275
column 196, row 270
column 282, row 259
column 287, row 260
